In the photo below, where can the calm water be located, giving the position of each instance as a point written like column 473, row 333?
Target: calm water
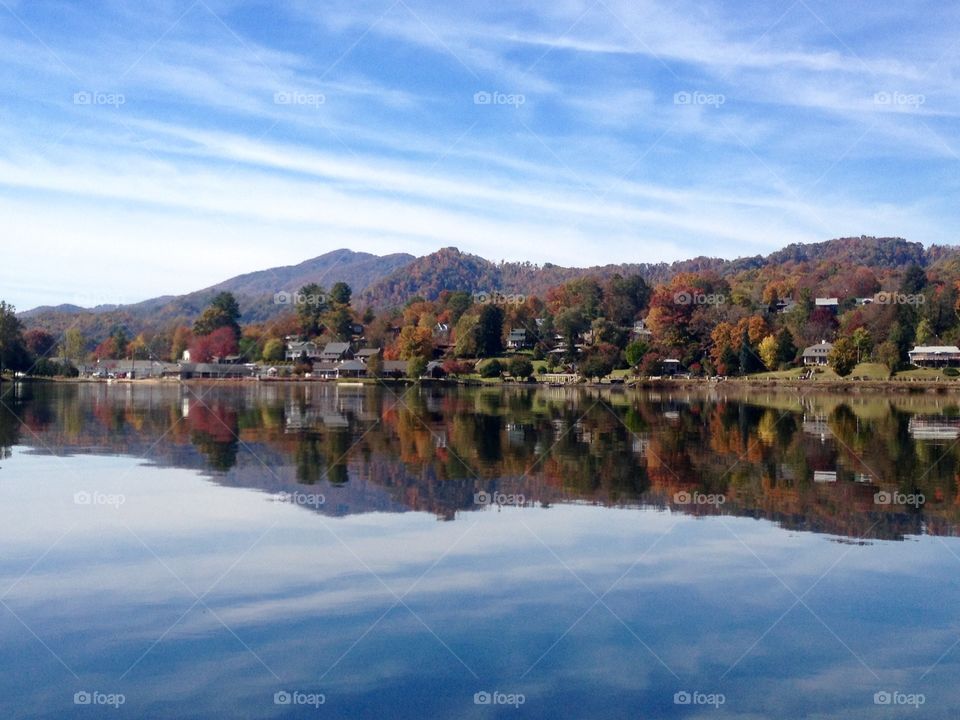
column 191, row 552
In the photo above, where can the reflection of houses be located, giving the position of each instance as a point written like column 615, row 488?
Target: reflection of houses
column 816, row 425
column 817, row 354
column 934, row 428
column 935, row 356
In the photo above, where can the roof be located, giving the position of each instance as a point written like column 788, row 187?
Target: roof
column 827, row 301
column 336, row 347
column 324, row 367
column 352, row 365
column 518, row 331
column 395, row 366
column 935, row 349
column 821, row 348
column 367, row 352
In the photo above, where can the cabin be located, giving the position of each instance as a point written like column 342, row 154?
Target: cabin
column 935, row 356
column 214, row 371
column 640, row 331
column 818, row 354
column 828, row 303
column 336, row 352
column 296, row 349
column 671, row 366
column 364, row 354
column 394, row 368
column 518, row 339
column 351, row 369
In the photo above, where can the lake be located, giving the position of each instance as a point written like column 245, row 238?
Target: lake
column 313, row 550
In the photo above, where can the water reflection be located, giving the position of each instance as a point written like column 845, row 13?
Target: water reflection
column 818, row 463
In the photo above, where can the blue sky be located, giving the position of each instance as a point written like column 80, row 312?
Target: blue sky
column 151, row 148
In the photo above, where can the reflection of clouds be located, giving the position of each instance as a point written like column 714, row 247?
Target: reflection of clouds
column 499, row 599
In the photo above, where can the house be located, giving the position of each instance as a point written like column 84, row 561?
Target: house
column 640, row 331
column 351, row 369
column 364, row 354
column 935, row 356
column 828, row 303
column 671, row 366
column 336, row 352
column 518, row 339
column 298, row 348
column 218, row 371
column 817, row 354
column 324, row 370
column 394, row 368
column 784, row 306
column 861, row 301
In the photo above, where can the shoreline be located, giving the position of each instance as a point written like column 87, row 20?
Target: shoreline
column 891, row 386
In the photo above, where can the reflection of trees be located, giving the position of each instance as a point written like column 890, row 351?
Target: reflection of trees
column 213, row 430
column 432, row 449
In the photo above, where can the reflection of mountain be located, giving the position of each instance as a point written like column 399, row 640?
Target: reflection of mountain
column 814, row 466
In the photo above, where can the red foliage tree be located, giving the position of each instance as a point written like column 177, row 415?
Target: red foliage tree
column 218, row 344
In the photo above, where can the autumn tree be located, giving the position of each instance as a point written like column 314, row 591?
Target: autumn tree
column 843, row 357
column 223, row 311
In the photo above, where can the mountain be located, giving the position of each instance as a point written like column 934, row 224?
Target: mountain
column 450, row 269
column 254, row 292
column 392, row 280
